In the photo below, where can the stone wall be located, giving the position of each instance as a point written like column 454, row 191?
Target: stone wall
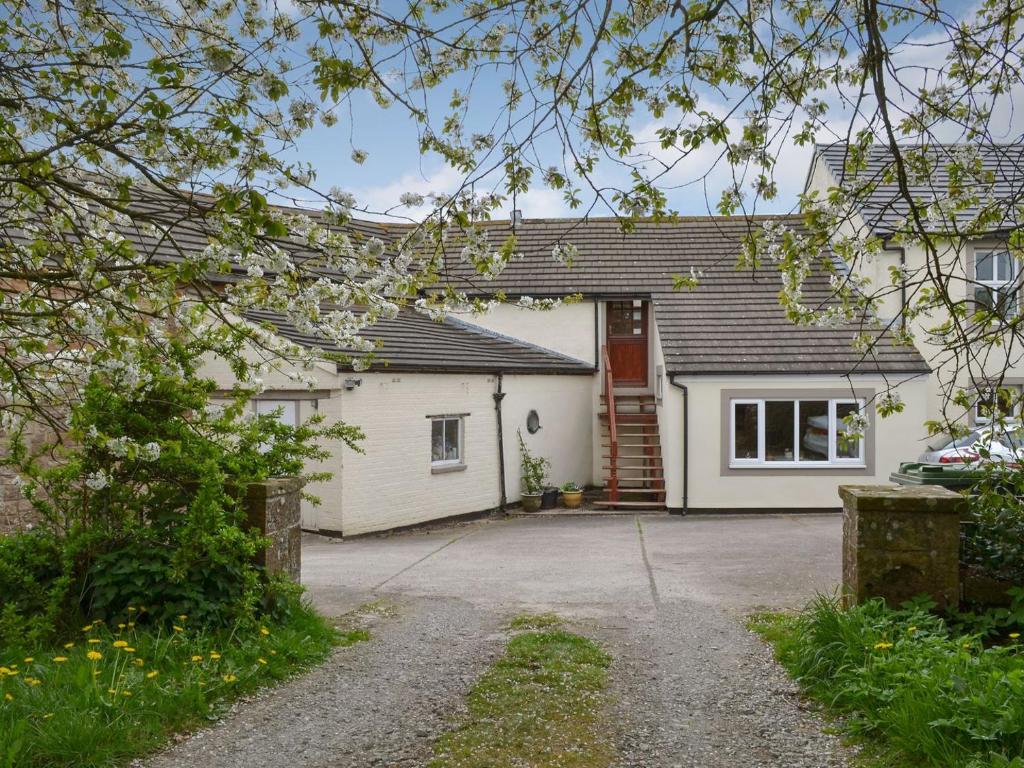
column 275, row 507
column 16, row 514
column 900, row 542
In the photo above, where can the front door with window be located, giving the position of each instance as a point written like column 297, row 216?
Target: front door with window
column 627, row 342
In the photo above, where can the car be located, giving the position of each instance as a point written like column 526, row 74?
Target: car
column 1003, row 443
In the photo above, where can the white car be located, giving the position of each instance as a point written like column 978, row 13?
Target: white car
column 1005, row 443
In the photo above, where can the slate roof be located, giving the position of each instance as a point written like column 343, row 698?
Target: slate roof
column 732, row 323
column 885, row 209
column 414, row 342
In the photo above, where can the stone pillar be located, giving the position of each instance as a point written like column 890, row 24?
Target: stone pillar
column 274, row 506
column 900, row 541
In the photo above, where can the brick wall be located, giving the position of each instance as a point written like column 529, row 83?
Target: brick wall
column 16, row 514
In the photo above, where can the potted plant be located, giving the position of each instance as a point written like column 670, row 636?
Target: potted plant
column 572, row 495
column 549, row 499
column 534, row 474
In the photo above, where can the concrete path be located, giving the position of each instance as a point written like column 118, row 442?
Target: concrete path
column 667, row 596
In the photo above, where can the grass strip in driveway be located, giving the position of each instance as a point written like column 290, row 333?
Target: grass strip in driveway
column 541, row 705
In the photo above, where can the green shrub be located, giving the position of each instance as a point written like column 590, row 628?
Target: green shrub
column 994, row 536
column 932, row 697
column 144, row 503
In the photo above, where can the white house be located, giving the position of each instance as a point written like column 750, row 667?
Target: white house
column 718, row 401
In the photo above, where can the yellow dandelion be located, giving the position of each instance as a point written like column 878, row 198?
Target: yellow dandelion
column 120, row 626
column 139, row 663
column 5, row 671
column 97, row 621
column 262, row 661
column 229, row 678
column 126, row 693
column 176, row 628
column 214, row 655
column 94, row 641
column 29, row 659
column 129, row 649
column 120, row 644
column 69, row 645
column 8, row 697
column 60, row 659
column 1014, row 635
column 197, row 658
column 273, row 652
column 183, row 617
column 151, row 675
column 264, row 631
column 87, row 628
column 883, row 646
column 912, row 629
column 94, row 655
column 33, row 680
column 111, row 691
column 131, row 609
column 131, row 624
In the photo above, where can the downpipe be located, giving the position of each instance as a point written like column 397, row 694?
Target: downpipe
column 686, row 443
column 498, row 397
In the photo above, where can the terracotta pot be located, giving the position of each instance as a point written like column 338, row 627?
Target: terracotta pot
column 572, row 499
column 531, row 502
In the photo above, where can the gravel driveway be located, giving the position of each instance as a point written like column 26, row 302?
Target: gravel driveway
column 666, row 596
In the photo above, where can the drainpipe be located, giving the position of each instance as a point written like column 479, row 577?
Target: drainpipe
column 498, row 397
column 686, row 442
column 597, row 338
column 887, row 246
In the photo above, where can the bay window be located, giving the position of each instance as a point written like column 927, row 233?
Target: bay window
column 793, row 432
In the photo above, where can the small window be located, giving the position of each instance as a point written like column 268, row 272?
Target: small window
column 446, row 440
column 794, row 433
column 626, row 318
column 287, row 411
column 996, row 284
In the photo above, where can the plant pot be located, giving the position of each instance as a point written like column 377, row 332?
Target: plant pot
column 550, row 498
column 531, row 501
column 572, row 499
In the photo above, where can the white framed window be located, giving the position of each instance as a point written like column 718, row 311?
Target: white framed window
column 446, row 436
column 287, row 411
column 996, row 280
column 1006, row 402
column 793, row 433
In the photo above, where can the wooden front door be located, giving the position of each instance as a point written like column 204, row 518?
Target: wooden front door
column 627, row 342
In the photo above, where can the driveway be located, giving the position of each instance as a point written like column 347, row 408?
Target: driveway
column 666, row 596
column 587, row 567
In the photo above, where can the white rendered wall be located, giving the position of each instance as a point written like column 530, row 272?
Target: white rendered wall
column 568, row 329
column 897, row 438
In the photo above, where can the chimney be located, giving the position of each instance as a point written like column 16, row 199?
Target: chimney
column 516, row 216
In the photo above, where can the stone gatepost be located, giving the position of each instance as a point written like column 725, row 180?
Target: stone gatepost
column 275, row 507
column 900, row 541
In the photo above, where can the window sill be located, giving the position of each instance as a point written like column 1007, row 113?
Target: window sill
column 793, row 465
column 443, row 469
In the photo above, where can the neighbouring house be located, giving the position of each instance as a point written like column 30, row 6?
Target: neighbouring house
column 975, row 260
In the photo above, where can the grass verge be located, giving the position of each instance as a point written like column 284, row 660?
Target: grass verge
column 116, row 692
column 540, row 705
column 910, row 690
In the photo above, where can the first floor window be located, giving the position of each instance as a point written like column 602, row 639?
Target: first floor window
column 446, row 440
column 996, row 284
column 794, row 432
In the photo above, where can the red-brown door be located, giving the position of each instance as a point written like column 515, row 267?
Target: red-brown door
column 627, row 342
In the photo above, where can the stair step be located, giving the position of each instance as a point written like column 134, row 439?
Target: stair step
column 654, row 489
column 651, row 461
column 633, row 418
column 630, row 504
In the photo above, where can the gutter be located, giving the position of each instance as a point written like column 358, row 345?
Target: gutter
column 498, row 397
column 686, row 443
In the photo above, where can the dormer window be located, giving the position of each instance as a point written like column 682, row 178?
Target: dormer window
column 996, row 281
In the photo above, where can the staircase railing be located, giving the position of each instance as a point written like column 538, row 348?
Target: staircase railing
column 613, row 437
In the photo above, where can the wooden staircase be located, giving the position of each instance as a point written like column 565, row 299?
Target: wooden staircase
column 634, row 476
